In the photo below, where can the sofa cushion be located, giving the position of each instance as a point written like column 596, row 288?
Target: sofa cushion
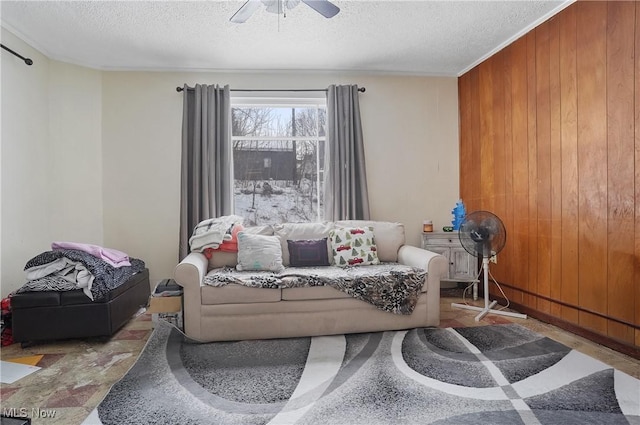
column 353, row 246
column 259, row 252
column 301, row 231
column 389, row 236
column 308, row 253
column 313, row 293
column 238, row 294
column 221, row 258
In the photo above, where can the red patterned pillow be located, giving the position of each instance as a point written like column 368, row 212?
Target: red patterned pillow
column 353, row 246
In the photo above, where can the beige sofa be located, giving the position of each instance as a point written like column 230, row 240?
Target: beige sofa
column 238, row 312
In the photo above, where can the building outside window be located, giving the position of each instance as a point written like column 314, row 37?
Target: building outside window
column 278, row 159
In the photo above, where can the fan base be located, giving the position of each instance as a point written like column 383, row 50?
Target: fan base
column 486, row 310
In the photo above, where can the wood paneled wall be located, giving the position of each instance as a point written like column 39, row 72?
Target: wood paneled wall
column 550, row 142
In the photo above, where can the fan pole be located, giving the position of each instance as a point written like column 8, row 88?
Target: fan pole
column 488, row 306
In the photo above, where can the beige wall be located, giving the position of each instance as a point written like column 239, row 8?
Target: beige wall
column 50, row 158
column 94, row 156
column 75, row 121
column 410, row 126
column 25, row 160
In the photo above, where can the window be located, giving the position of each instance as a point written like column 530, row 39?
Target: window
column 278, row 159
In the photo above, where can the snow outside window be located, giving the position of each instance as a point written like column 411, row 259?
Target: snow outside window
column 278, row 159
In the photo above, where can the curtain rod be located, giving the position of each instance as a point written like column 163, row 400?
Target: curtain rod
column 26, row 60
column 360, row 89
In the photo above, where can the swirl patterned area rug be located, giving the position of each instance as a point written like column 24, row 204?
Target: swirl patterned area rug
column 499, row 374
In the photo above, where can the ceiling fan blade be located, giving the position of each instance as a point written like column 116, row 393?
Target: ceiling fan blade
column 245, row 11
column 323, row 7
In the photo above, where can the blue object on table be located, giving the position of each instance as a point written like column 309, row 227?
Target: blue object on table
column 459, row 214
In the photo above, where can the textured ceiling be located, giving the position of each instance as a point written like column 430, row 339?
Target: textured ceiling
column 392, row 36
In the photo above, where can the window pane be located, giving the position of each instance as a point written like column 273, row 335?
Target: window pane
column 277, row 181
column 322, row 122
column 306, row 120
column 250, row 160
column 254, row 122
column 276, row 121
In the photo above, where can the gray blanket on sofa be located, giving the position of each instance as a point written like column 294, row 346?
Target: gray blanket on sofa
column 391, row 287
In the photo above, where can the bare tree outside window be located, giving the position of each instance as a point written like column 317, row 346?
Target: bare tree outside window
column 278, row 152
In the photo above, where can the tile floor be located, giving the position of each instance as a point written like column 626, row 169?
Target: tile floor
column 77, row 374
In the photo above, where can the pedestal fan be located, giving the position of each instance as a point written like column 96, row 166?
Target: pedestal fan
column 482, row 234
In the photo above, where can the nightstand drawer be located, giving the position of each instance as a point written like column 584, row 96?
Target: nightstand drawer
column 438, row 238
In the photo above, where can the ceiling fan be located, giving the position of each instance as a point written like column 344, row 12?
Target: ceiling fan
column 323, row 7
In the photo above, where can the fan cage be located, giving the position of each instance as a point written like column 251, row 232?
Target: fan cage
column 482, row 234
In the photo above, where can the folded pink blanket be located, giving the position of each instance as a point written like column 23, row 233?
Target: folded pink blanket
column 108, row 255
column 230, row 245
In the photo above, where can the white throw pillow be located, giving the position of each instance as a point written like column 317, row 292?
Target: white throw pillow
column 259, row 252
column 230, row 259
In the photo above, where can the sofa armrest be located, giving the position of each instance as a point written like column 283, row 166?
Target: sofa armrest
column 436, row 266
column 191, row 270
column 190, row 275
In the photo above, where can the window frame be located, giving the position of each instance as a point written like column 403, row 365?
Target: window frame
column 284, row 102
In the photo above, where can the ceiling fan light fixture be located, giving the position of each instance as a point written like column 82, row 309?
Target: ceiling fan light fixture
column 323, row 7
column 279, row 6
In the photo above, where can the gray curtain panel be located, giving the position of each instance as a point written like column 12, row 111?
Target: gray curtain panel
column 206, row 188
column 345, row 182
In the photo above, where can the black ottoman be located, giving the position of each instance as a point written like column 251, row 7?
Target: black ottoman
column 51, row 315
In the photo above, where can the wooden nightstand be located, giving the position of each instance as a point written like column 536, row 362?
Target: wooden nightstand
column 463, row 267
